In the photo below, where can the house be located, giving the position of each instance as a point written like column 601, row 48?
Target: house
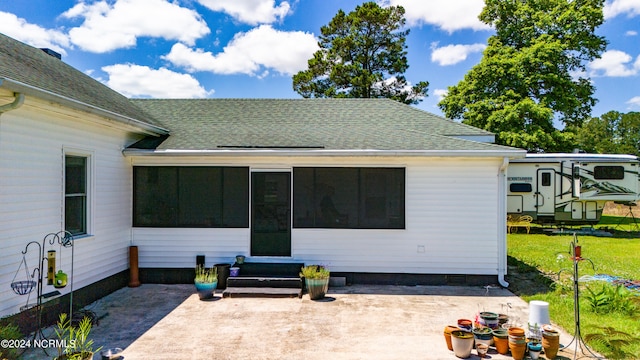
column 377, row 190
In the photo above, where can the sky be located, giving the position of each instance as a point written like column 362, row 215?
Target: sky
column 252, row 48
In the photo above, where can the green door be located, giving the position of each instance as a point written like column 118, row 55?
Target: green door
column 271, row 214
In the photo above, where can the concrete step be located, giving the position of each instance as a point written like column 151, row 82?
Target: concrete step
column 261, row 292
column 266, row 282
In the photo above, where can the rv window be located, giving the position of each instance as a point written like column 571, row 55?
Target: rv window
column 546, row 179
column 520, row 187
column 608, row 172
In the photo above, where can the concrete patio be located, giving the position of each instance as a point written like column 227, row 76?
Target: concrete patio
column 354, row 322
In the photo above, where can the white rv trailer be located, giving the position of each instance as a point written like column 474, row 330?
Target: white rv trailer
column 570, row 188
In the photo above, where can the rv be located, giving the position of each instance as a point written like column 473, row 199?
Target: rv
column 571, row 188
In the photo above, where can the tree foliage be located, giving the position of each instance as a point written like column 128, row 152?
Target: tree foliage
column 529, row 73
column 611, row 133
column 362, row 55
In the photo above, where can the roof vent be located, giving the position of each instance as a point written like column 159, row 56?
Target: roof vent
column 52, row 53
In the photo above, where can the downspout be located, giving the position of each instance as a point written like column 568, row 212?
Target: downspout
column 502, row 229
column 17, row 102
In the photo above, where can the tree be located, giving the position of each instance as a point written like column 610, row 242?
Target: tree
column 362, row 55
column 531, row 73
column 611, row 133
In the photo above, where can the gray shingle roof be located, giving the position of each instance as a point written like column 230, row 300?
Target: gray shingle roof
column 30, row 66
column 334, row 124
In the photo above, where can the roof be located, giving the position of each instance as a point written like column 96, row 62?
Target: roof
column 206, row 125
column 32, row 71
column 581, row 157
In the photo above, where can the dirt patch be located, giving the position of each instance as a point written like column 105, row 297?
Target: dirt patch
column 614, row 209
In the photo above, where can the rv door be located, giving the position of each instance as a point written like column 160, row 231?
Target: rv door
column 545, row 192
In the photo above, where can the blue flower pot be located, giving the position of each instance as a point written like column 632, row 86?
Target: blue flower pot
column 206, row 290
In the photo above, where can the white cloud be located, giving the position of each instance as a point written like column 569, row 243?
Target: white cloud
column 141, row 81
column 445, row 14
column 108, row 27
column 614, row 8
column 440, row 93
column 251, row 12
column 634, row 101
column 252, row 52
column 31, row 34
column 453, row 54
column 631, row 33
column 615, row 63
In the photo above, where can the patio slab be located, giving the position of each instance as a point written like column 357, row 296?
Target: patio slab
column 354, row 322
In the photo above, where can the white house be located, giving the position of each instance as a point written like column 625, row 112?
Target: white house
column 376, row 190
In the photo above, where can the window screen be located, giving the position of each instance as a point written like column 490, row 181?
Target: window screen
column 173, row 196
column 358, row 198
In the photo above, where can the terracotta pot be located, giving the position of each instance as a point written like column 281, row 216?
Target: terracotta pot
column 462, row 343
column 516, row 331
column 501, row 344
column 447, row 335
column 550, row 344
column 517, row 350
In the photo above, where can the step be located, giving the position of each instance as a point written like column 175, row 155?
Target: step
column 237, row 292
column 269, row 269
column 263, row 281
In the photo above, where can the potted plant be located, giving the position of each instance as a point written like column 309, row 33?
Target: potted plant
column 206, row 281
column 462, row 343
column 316, row 278
column 534, row 349
column 74, row 340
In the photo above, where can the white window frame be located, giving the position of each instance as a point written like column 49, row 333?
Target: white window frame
column 90, row 188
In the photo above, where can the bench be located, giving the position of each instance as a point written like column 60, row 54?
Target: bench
column 515, row 221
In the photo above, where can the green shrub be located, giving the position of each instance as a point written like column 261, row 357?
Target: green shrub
column 9, row 332
column 609, row 298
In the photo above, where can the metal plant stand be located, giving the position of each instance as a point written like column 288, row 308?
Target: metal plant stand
column 578, row 341
column 62, row 238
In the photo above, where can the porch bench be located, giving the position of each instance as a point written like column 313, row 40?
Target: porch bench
column 514, row 221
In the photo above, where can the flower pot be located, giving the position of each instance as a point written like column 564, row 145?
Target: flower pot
column 483, row 336
column 447, row 335
column 534, row 350
column 490, row 319
column 550, row 343
column 206, row 290
column 515, row 331
column 482, row 349
column 462, row 343
column 517, row 350
column 503, row 319
column 501, row 344
column 317, row 288
column 240, row 259
column 465, row 324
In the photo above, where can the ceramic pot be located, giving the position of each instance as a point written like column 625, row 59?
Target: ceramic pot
column 482, row 349
column 447, row 335
column 317, row 288
column 490, row 319
column 465, row 324
column 206, row 290
column 534, row 350
column 515, row 331
column 462, row 343
column 501, row 344
column 483, row 336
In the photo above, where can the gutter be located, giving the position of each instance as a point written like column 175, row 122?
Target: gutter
column 327, row 152
column 502, row 229
column 17, row 102
column 22, row 88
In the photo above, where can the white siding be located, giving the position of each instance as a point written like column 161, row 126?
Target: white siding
column 451, row 212
column 31, row 195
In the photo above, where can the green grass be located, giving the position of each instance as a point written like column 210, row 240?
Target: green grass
column 613, row 256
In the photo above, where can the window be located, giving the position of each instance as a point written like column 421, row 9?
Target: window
column 520, row 187
column 546, row 179
column 608, row 172
column 174, row 196
column 75, row 194
column 357, row 198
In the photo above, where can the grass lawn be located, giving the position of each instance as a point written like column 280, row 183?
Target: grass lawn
column 550, row 254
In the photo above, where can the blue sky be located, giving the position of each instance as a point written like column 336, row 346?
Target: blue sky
column 251, row 48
